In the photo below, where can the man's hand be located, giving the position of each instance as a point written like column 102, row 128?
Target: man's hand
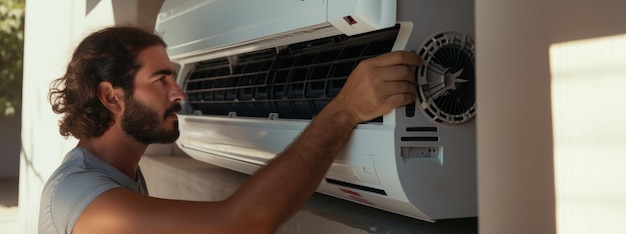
column 378, row 85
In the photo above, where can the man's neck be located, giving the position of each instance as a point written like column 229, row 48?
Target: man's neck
column 121, row 152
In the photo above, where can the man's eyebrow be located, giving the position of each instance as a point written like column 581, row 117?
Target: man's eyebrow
column 163, row 72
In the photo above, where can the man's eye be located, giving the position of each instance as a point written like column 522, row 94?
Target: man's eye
column 162, row 79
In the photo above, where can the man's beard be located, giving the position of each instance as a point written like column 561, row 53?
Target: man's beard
column 144, row 124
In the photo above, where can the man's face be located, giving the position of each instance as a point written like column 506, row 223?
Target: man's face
column 150, row 113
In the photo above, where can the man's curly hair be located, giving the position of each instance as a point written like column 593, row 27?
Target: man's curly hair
column 106, row 55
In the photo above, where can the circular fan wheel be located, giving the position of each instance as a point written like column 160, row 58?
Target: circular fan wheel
column 446, row 83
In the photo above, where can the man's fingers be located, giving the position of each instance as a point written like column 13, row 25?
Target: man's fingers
column 397, row 87
column 397, row 73
column 397, row 58
column 400, row 99
column 405, row 90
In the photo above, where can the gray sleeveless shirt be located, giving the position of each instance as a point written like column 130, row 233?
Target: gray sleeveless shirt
column 75, row 184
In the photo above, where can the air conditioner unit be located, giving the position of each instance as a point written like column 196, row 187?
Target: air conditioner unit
column 256, row 72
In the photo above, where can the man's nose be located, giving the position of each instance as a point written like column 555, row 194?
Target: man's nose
column 177, row 94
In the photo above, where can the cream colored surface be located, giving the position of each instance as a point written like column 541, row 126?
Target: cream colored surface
column 516, row 129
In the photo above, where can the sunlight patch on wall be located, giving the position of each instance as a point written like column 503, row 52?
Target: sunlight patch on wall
column 589, row 127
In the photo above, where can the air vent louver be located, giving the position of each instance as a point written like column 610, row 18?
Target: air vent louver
column 296, row 83
column 447, row 82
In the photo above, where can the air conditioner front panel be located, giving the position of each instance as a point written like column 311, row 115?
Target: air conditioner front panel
column 248, row 99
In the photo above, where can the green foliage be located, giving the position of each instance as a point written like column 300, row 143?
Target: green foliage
column 11, row 55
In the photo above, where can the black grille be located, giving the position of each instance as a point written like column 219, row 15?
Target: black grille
column 296, row 82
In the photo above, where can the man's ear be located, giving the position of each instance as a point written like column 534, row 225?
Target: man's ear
column 110, row 97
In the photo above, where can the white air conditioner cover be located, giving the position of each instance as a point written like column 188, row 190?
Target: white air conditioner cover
column 256, row 72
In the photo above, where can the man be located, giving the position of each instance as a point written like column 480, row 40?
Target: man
column 119, row 95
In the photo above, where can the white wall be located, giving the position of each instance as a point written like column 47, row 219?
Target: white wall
column 517, row 128
column 46, row 52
